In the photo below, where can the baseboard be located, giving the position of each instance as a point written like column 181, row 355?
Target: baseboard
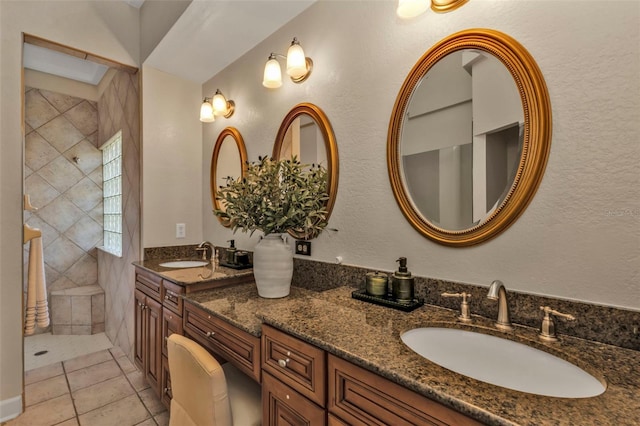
column 10, row 408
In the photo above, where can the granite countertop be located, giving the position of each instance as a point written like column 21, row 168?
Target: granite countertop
column 369, row 335
column 190, row 276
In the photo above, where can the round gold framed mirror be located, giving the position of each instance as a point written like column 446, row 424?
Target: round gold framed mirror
column 228, row 160
column 469, row 137
column 306, row 133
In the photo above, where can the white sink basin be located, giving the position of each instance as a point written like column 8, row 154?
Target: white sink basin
column 502, row 362
column 184, row 264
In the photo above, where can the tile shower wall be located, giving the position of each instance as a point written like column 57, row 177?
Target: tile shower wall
column 118, row 109
column 63, row 176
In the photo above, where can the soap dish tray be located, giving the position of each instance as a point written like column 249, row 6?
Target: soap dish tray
column 387, row 301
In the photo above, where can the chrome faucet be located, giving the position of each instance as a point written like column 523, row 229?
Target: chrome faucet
column 498, row 292
column 204, row 247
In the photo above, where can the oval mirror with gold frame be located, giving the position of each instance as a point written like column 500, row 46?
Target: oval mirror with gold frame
column 469, row 137
column 306, row 133
column 229, row 159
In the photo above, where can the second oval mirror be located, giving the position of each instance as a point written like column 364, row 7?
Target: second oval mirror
column 306, row 133
column 228, row 160
column 469, row 137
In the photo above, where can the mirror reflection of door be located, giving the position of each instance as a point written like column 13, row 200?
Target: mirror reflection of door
column 305, row 141
column 462, row 139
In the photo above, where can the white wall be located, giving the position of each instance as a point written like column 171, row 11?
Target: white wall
column 578, row 239
column 109, row 29
column 171, row 158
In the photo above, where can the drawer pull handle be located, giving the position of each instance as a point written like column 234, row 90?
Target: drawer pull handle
column 283, row 362
column 287, row 396
column 210, row 333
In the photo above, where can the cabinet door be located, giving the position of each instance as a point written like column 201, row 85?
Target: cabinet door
column 171, row 323
column 360, row 397
column 153, row 313
column 166, row 383
column 140, row 330
column 283, row 406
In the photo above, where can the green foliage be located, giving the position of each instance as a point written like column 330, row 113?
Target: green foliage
column 276, row 196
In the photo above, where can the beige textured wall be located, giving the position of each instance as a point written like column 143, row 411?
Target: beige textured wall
column 172, row 183
column 109, row 29
column 578, row 239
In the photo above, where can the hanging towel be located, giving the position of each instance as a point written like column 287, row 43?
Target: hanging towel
column 37, row 311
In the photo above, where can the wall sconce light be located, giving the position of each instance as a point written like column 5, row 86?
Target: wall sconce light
column 298, row 66
column 218, row 105
column 206, row 111
column 412, row 8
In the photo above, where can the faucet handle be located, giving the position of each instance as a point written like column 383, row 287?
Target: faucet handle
column 465, row 315
column 548, row 326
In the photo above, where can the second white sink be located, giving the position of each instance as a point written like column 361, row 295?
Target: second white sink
column 184, row 264
column 502, row 362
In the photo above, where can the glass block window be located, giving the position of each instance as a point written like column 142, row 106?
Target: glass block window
column 112, row 193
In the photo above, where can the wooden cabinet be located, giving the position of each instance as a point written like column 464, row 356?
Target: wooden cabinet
column 158, row 314
column 223, row 339
column 360, row 397
column 282, row 405
column 148, row 335
column 294, row 380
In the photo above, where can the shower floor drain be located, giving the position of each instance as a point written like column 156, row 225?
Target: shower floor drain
column 40, row 353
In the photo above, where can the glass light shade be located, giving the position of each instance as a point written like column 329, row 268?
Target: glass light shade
column 219, row 104
column 206, row 112
column 296, row 62
column 411, row 8
column 272, row 74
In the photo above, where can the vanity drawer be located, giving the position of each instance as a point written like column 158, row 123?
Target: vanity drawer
column 360, row 397
column 171, row 296
column 236, row 346
column 282, row 405
column 171, row 323
column 295, row 363
column 149, row 284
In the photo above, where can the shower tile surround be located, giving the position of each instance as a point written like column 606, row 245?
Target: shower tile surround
column 598, row 323
column 118, row 109
column 63, row 177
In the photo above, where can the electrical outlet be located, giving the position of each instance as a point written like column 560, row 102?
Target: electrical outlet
column 303, row 247
column 181, row 230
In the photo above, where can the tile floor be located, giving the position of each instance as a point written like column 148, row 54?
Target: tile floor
column 98, row 389
column 60, row 347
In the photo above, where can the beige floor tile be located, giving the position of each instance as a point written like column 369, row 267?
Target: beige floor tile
column 151, row 401
column 162, row 419
column 94, row 374
column 46, row 413
column 125, row 412
column 148, row 422
column 42, row 373
column 137, row 380
column 117, row 352
column 70, row 422
column 45, row 390
column 86, row 361
column 126, row 365
column 100, row 394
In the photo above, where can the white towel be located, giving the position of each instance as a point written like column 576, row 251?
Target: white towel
column 37, row 305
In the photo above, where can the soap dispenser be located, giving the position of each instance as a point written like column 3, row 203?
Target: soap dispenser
column 402, row 283
column 231, row 252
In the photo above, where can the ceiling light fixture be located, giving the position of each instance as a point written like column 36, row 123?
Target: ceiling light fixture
column 298, row 66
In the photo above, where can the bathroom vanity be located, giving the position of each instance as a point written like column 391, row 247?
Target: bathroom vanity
column 323, row 357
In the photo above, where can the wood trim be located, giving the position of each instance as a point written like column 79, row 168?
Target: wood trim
column 58, row 47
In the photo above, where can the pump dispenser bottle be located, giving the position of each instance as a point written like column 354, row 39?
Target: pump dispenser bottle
column 402, row 283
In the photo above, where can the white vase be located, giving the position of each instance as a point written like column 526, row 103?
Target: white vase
column 273, row 266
